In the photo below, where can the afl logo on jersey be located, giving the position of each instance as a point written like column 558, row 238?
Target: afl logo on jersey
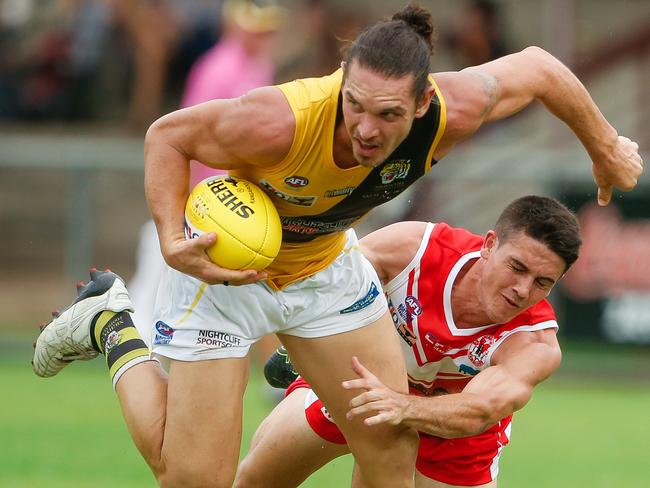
column 413, row 306
column 296, row 181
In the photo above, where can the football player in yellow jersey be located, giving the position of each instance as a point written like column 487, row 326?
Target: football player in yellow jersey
column 327, row 150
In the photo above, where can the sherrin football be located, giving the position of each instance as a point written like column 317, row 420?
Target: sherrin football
column 244, row 218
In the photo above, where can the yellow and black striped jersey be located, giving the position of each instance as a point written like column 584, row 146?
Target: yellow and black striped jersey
column 317, row 201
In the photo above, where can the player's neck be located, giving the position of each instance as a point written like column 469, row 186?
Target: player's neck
column 465, row 309
column 342, row 148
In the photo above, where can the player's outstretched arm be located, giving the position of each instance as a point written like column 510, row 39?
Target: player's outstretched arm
column 521, row 362
column 502, row 87
column 256, row 129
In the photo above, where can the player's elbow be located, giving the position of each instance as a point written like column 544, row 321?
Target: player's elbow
column 486, row 417
column 474, row 427
column 535, row 51
column 167, row 133
column 538, row 55
column 554, row 360
column 481, row 418
column 546, row 67
column 155, row 134
column 490, row 411
column 477, row 426
column 158, row 131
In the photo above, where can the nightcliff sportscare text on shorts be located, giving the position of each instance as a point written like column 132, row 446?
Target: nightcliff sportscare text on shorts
column 219, row 339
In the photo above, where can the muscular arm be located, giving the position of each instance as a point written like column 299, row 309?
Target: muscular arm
column 503, row 87
column 254, row 129
column 521, row 362
column 527, row 359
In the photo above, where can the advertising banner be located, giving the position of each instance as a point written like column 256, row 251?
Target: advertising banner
column 606, row 294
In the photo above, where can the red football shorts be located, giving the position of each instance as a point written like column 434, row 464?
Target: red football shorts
column 466, row 461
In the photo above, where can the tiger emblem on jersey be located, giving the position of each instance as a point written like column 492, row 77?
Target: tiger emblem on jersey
column 395, row 170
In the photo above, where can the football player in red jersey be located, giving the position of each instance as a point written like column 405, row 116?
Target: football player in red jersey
column 477, row 334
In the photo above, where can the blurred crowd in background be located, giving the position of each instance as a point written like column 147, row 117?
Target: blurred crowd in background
column 85, row 69
column 128, row 61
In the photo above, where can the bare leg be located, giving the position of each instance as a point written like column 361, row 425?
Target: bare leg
column 145, row 414
column 422, row 481
column 187, row 426
column 385, row 455
column 188, row 430
column 263, row 349
column 285, row 450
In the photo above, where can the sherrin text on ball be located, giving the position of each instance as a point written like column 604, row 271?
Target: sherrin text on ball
column 247, row 224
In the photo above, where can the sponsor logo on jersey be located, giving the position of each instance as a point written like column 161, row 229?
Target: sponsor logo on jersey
column 478, row 350
column 435, row 342
column 463, row 368
column 403, row 329
column 401, row 310
column 407, row 334
column 215, row 338
column 307, row 226
column 339, row 192
column 393, row 312
column 373, row 292
column 303, row 201
column 164, row 333
column 296, row 181
column 384, row 193
column 395, row 170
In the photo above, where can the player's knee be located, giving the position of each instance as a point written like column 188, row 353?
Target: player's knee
column 195, row 480
column 247, row 477
column 390, row 434
column 407, row 440
column 185, row 475
column 389, row 444
column 388, row 462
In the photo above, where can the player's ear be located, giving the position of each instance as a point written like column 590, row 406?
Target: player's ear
column 425, row 101
column 489, row 244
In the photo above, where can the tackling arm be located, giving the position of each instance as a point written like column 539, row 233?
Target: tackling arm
column 521, row 362
column 503, row 87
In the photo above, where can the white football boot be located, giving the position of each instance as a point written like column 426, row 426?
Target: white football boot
column 68, row 336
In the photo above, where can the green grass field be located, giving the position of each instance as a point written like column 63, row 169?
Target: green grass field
column 588, row 426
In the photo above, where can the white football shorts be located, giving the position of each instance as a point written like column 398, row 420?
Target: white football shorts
column 195, row 321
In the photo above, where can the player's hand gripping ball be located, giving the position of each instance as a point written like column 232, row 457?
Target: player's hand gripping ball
column 244, row 218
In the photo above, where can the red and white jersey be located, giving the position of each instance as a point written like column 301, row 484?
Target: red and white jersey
column 440, row 357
